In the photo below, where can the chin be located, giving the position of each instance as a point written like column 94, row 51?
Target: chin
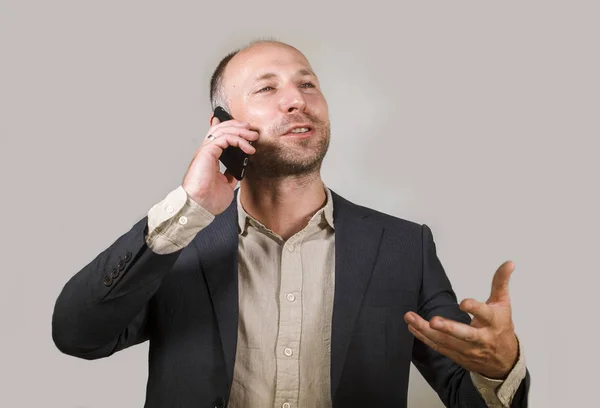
column 292, row 157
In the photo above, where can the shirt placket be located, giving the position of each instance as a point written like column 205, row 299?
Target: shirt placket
column 290, row 325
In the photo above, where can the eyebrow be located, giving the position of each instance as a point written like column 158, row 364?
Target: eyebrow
column 270, row 75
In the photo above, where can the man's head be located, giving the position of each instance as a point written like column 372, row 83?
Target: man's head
column 272, row 86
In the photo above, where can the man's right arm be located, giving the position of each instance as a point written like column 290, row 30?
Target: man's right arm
column 104, row 307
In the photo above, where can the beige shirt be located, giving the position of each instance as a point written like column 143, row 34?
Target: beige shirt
column 286, row 291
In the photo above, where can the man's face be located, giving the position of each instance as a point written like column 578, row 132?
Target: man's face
column 273, row 88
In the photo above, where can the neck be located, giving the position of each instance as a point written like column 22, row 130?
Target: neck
column 284, row 205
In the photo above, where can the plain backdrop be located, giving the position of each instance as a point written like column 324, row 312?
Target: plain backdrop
column 480, row 119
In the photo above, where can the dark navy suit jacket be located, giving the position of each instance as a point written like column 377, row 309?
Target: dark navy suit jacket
column 186, row 305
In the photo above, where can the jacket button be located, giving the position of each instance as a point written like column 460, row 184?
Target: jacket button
column 219, row 403
column 114, row 273
column 107, row 281
column 121, row 265
column 127, row 257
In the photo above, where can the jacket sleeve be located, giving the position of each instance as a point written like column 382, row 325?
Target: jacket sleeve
column 104, row 307
column 452, row 383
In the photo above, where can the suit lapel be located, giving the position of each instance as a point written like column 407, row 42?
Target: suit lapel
column 356, row 245
column 218, row 253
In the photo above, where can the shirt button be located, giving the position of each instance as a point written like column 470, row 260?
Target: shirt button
column 291, row 297
column 169, row 209
column 183, row 220
column 288, row 352
column 291, row 248
column 286, row 405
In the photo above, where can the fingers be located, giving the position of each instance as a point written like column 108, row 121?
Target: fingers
column 223, row 142
column 500, row 282
column 480, row 310
column 216, row 125
column 440, row 338
column 435, row 346
column 242, row 132
column 457, row 330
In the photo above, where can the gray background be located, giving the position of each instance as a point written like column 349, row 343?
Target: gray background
column 478, row 119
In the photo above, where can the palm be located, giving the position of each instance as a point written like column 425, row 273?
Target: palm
column 488, row 344
column 206, row 180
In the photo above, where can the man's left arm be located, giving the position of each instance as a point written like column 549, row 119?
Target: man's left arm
column 469, row 363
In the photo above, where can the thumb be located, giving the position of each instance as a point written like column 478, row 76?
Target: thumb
column 500, row 282
column 232, row 181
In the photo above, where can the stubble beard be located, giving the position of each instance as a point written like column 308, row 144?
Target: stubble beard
column 275, row 159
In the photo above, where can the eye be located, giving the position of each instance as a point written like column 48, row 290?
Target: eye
column 310, row 85
column 266, row 88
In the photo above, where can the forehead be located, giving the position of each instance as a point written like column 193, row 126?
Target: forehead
column 251, row 63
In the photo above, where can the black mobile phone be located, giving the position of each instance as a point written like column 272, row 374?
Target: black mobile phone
column 233, row 158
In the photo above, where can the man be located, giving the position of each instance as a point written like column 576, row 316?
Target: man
column 282, row 293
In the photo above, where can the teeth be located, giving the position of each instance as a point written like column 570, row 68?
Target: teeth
column 300, row 130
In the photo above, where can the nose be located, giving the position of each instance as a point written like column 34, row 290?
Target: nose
column 292, row 100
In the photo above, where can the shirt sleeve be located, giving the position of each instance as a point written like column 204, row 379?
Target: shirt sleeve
column 500, row 393
column 174, row 222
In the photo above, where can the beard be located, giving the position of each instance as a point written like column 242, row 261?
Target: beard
column 275, row 158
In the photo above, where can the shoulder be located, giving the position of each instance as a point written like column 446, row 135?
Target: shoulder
column 387, row 221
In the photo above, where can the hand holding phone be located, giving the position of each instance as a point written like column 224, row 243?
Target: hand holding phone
column 203, row 182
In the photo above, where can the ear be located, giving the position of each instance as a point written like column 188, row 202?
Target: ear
column 212, row 118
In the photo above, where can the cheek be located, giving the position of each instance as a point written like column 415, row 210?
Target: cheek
column 261, row 119
column 258, row 114
column 319, row 106
column 252, row 109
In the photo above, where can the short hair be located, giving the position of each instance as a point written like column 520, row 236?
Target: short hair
column 217, row 91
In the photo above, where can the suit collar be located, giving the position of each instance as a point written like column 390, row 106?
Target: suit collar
column 324, row 213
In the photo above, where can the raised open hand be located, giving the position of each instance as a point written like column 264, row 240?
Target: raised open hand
column 488, row 345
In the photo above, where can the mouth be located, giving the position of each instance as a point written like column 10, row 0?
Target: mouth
column 299, row 131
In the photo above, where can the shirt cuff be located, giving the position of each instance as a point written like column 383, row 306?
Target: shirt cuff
column 174, row 222
column 500, row 393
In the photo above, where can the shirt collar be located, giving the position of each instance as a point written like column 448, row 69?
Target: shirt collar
column 325, row 212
